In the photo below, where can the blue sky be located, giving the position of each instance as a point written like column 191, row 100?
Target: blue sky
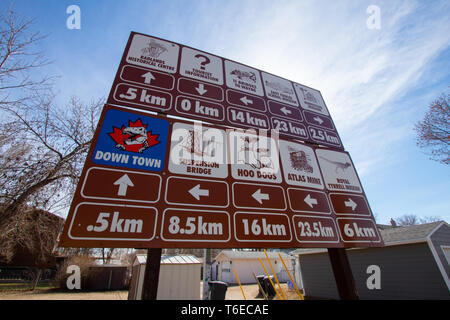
column 377, row 83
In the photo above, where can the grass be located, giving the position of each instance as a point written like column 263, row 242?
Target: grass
column 24, row 286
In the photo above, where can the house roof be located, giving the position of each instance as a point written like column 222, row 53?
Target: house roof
column 396, row 235
column 169, row 259
column 409, row 233
column 179, row 259
column 232, row 254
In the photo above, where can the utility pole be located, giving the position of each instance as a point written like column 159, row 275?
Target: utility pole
column 206, row 272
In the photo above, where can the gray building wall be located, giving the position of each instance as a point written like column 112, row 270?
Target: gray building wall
column 407, row 272
column 441, row 237
column 317, row 276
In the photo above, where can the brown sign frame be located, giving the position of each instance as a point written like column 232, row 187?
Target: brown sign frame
column 265, row 226
column 218, row 102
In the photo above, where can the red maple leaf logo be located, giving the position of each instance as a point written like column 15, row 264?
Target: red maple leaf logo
column 134, row 137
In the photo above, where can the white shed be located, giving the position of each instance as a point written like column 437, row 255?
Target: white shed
column 246, row 262
column 179, row 278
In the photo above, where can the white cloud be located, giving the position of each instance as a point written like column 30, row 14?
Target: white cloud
column 325, row 45
column 360, row 72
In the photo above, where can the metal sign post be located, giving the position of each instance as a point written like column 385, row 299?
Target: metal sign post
column 151, row 277
column 343, row 274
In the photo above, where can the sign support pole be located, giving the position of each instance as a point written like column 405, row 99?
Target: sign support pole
column 343, row 274
column 151, row 277
column 206, row 272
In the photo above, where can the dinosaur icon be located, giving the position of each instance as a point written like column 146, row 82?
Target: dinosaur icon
column 138, row 135
column 134, row 137
column 339, row 165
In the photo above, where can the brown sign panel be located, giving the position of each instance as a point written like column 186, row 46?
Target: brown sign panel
column 206, row 110
column 257, row 196
column 194, row 192
column 118, row 222
column 314, row 229
column 152, row 181
column 142, row 76
column 349, row 204
column 355, row 220
column 357, row 231
column 188, row 225
column 141, row 97
column 318, row 120
column 124, row 185
column 198, row 88
column 245, row 100
column 153, row 73
column 262, row 227
column 285, row 111
column 239, row 117
column 290, row 129
column 306, row 200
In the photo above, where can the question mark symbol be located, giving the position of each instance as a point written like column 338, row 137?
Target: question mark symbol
column 204, row 62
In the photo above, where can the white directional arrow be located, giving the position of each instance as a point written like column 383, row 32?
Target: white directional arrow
column 148, row 77
column 318, row 119
column 196, row 192
column 260, row 196
column 201, row 89
column 124, row 182
column 310, row 201
column 285, row 111
column 350, row 203
column 246, row 100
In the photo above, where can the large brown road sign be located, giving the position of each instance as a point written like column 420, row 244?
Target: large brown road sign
column 163, row 76
column 157, row 182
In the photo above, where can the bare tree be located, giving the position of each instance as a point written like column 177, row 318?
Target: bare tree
column 412, row 219
column 107, row 254
column 19, row 59
column 42, row 144
column 43, row 155
column 433, row 132
column 33, row 232
column 189, row 251
column 407, row 220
